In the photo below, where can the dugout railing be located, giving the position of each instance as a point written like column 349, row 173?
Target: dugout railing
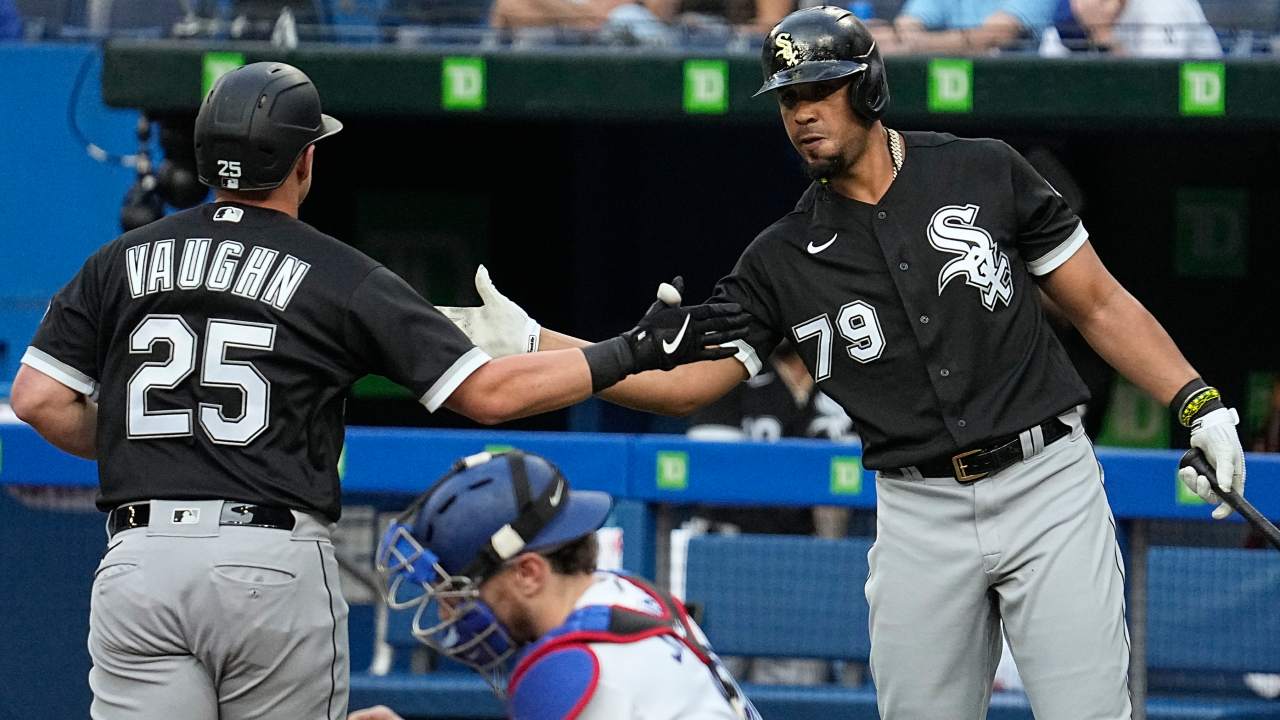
column 650, row 472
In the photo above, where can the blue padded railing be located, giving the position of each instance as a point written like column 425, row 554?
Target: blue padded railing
column 1141, row 484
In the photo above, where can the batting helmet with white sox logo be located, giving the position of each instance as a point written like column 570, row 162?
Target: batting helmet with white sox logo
column 826, row 43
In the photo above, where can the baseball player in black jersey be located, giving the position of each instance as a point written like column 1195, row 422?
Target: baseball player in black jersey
column 204, row 360
column 907, row 275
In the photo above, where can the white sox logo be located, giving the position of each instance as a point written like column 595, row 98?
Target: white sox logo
column 983, row 265
column 787, row 49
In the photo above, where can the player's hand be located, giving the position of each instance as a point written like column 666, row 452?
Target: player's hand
column 499, row 327
column 379, row 712
column 1215, row 436
column 669, row 335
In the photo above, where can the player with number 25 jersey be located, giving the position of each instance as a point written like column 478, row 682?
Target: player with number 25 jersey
column 228, row 324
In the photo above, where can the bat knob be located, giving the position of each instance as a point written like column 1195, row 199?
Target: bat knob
column 1194, row 458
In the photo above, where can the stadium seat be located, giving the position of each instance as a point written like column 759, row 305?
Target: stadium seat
column 43, row 18
column 145, row 18
column 1243, row 26
column 1260, row 15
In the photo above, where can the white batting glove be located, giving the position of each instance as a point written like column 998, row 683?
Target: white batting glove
column 499, row 326
column 1215, row 436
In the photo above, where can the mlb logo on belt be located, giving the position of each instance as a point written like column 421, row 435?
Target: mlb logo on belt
column 185, row 516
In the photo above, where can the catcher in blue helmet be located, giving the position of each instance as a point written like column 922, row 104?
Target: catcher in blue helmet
column 497, row 563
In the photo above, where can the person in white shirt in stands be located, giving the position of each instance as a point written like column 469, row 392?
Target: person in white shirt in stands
column 1146, row 28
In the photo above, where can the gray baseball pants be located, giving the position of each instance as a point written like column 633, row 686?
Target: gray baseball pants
column 1034, row 545
column 206, row 622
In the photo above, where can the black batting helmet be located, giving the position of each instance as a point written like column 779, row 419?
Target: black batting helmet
column 255, row 123
column 826, row 43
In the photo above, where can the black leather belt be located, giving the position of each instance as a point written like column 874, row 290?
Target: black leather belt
column 136, row 515
column 973, row 465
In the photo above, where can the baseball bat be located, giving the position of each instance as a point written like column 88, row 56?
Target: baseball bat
column 1195, row 458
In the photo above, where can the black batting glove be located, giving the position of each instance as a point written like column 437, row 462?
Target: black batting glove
column 671, row 336
column 667, row 336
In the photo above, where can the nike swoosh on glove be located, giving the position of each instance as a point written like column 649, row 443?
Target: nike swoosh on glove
column 499, row 327
column 1215, row 435
column 670, row 336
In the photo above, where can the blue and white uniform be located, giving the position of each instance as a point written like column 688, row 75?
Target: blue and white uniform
column 626, row 652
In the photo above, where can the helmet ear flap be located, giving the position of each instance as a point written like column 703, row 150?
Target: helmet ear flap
column 869, row 93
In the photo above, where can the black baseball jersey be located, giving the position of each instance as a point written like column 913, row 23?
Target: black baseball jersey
column 919, row 314
column 221, row 342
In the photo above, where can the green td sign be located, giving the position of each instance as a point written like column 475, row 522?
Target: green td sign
column 706, row 87
column 950, row 85
column 1203, row 89
column 462, row 83
column 846, row 475
column 673, row 470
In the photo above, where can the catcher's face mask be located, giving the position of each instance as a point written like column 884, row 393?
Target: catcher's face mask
column 448, row 614
column 469, row 541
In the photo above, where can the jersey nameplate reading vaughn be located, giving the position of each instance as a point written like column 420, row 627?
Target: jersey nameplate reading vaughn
column 150, row 267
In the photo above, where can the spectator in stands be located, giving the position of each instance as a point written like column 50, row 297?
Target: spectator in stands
column 572, row 14
column 752, row 16
column 779, row 402
column 10, row 21
column 646, row 22
column 1148, row 28
column 963, row 26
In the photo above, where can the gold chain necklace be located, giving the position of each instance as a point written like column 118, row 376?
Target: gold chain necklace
column 895, row 150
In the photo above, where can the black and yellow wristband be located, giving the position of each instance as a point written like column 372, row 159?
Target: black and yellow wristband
column 1194, row 400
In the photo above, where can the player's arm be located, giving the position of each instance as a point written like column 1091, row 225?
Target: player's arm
column 58, row 372
column 517, row 386
column 570, row 370
column 393, row 331
column 1128, row 337
column 678, row 392
column 64, row 417
column 1116, row 325
column 501, row 327
column 1056, row 247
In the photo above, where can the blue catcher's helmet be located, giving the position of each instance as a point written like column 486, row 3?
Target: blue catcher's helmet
column 486, row 510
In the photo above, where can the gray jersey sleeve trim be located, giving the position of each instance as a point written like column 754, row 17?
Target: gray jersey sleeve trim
column 747, row 356
column 1060, row 254
column 60, row 371
column 460, row 370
